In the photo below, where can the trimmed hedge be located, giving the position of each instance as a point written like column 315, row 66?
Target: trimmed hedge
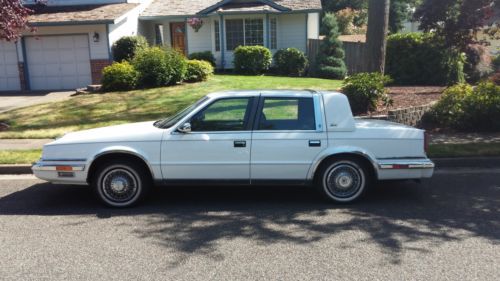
column 290, row 61
column 422, row 59
column 160, row 67
column 252, row 59
column 198, row 70
column 465, row 108
column 127, row 47
column 120, row 76
column 205, row 56
column 364, row 90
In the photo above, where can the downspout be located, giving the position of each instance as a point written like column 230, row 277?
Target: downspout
column 222, row 47
column 25, row 64
column 307, row 33
column 268, row 33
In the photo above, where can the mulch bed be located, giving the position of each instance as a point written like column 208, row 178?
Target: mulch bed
column 404, row 97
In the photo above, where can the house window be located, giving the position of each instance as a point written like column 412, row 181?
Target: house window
column 274, row 34
column 248, row 32
column 217, row 35
column 159, row 34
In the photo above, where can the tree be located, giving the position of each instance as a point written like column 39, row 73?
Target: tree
column 376, row 36
column 330, row 59
column 13, row 19
column 456, row 21
column 401, row 11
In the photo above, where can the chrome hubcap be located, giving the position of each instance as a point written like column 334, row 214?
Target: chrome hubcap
column 119, row 185
column 344, row 180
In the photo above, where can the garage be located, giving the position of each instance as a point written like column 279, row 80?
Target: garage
column 9, row 71
column 58, row 62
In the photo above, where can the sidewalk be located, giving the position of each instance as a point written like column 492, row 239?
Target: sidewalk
column 22, row 144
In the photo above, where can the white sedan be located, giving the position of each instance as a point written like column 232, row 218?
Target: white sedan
column 241, row 137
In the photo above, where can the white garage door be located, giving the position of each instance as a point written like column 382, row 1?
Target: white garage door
column 58, row 62
column 9, row 72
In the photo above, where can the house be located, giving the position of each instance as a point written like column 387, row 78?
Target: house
column 73, row 38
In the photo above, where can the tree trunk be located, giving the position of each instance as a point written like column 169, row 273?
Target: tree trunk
column 376, row 35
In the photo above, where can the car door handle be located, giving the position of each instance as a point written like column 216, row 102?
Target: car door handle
column 314, row 143
column 240, row 143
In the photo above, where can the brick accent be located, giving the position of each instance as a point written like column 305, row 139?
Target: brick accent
column 96, row 67
column 22, row 79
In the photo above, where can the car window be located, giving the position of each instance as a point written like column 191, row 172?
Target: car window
column 222, row 115
column 287, row 114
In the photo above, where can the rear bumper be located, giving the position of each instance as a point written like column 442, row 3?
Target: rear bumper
column 64, row 172
column 405, row 168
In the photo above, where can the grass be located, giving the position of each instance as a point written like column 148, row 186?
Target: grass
column 19, row 156
column 464, row 150
column 435, row 151
column 89, row 111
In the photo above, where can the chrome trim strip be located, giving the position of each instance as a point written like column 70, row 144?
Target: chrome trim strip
column 64, row 160
column 424, row 164
column 46, row 167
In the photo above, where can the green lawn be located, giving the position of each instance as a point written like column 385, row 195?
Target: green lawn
column 90, row 111
column 19, row 156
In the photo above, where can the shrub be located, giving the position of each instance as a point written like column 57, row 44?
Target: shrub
column 159, row 67
column 290, row 61
column 465, row 108
column 252, row 59
column 422, row 59
column 495, row 78
column 120, row 76
column 364, row 90
column 496, row 63
column 178, row 64
column 330, row 60
column 198, row 70
column 127, row 47
column 206, row 56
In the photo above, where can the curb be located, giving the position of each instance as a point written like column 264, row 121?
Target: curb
column 460, row 162
column 15, row 169
column 467, row 162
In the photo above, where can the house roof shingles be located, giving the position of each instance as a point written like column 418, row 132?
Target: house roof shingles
column 160, row 8
column 78, row 14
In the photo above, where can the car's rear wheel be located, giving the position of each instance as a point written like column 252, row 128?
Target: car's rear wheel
column 121, row 184
column 343, row 180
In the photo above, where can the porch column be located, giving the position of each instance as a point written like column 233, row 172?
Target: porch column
column 267, row 41
column 222, row 46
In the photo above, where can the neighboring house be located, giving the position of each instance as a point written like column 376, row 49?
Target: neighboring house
column 72, row 43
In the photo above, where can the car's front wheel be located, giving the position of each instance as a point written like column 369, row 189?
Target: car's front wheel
column 343, row 180
column 121, row 184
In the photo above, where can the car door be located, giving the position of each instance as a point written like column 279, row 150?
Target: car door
column 288, row 135
column 218, row 145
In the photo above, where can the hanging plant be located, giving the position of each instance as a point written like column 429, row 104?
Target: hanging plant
column 195, row 23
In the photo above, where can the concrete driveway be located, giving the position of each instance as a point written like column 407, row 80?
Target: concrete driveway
column 13, row 100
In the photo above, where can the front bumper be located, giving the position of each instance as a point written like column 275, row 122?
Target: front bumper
column 405, row 168
column 61, row 171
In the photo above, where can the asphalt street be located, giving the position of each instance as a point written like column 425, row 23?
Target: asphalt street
column 445, row 228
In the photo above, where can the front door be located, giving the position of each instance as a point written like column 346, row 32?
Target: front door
column 286, row 139
column 218, row 146
column 178, row 36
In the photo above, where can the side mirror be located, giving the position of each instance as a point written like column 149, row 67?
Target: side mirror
column 185, row 128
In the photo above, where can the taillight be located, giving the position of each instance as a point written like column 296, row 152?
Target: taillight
column 426, row 142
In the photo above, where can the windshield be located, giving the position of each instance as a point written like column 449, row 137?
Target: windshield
column 172, row 120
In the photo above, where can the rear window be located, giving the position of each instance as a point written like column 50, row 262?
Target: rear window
column 287, row 114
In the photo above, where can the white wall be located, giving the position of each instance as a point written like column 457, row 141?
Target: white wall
column 202, row 40
column 98, row 50
column 313, row 26
column 292, row 31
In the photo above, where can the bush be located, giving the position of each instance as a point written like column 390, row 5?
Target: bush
column 159, row 67
column 291, row 62
column 127, row 47
column 496, row 63
column 422, row 59
column 252, row 59
column 364, row 90
column 465, row 108
column 120, row 76
column 205, row 56
column 330, row 59
column 198, row 70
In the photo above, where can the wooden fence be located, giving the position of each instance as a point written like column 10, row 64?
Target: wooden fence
column 353, row 54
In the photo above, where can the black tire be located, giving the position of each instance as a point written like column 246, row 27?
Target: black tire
column 343, row 180
column 121, row 184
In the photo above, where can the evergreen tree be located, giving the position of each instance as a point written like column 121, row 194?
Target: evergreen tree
column 330, row 59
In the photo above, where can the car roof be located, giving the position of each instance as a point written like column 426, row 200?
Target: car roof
column 272, row 93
